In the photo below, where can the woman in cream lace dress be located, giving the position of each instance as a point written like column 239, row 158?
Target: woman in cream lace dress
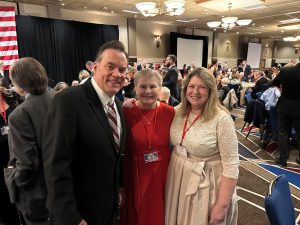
column 203, row 170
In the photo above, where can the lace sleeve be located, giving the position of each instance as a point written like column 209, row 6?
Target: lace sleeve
column 228, row 146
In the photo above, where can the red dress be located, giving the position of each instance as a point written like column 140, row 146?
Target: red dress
column 144, row 183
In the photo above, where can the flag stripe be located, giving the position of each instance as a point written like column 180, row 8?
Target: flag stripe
column 7, row 28
column 9, row 47
column 7, row 43
column 8, row 39
column 8, row 24
column 9, row 58
column 7, row 8
column 8, row 33
column 7, row 18
column 8, row 53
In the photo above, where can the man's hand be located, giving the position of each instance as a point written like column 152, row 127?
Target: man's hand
column 83, row 223
column 121, row 198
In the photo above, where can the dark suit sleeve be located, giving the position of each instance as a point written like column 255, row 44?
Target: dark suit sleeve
column 171, row 80
column 23, row 147
column 59, row 141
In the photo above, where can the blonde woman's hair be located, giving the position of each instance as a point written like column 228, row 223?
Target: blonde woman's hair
column 213, row 105
column 83, row 74
column 148, row 73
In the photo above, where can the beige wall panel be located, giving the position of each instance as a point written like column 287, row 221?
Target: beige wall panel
column 228, row 45
column 145, row 39
column 33, row 10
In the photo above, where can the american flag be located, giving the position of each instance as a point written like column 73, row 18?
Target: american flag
column 8, row 36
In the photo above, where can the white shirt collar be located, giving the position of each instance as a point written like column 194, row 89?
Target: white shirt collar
column 104, row 98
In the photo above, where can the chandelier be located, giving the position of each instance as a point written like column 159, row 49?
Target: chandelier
column 173, row 8
column 229, row 22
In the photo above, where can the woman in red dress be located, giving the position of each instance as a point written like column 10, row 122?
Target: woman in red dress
column 147, row 153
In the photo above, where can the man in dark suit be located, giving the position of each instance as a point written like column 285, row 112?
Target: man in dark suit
column 170, row 80
column 83, row 149
column 25, row 138
column 288, row 108
column 166, row 97
column 261, row 83
column 246, row 70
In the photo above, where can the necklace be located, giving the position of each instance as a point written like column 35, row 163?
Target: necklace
column 147, row 121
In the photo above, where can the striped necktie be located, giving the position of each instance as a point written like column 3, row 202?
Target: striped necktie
column 112, row 119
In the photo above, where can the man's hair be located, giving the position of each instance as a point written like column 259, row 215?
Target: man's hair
column 165, row 91
column 172, row 57
column 117, row 45
column 29, row 75
column 214, row 61
column 89, row 63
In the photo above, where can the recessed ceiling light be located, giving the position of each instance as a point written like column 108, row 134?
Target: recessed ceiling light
column 206, row 10
column 237, row 32
column 105, row 8
column 262, row 26
column 85, row 7
column 62, row 4
column 112, row 12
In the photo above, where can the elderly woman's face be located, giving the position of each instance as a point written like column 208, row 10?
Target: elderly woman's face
column 197, row 93
column 147, row 90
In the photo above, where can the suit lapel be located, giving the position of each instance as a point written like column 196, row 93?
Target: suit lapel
column 97, row 108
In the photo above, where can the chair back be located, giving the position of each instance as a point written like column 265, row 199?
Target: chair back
column 278, row 202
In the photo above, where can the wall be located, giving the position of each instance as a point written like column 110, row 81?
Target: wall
column 145, row 40
column 228, row 49
column 284, row 51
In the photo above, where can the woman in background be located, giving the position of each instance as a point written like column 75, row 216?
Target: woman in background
column 203, row 169
column 147, row 152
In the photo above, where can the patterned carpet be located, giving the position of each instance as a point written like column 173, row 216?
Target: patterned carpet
column 256, row 171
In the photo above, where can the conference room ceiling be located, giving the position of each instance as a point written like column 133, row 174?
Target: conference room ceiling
column 266, row 15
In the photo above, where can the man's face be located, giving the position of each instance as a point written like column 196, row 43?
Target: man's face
column 90, row 67
column 244, row 63
column 110, row 72
column 168, row 62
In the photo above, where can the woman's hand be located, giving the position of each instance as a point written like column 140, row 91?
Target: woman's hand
column 129, row 103
column 82, row 223
column 217, row 214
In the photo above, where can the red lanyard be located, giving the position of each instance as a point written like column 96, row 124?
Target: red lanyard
column 3, row 114
column 185, row 130
column 147, row 124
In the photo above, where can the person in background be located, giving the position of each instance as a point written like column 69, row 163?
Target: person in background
column 84, row 143
column 25, row 140
column 89, row 65
column 170, row 80
column 83, row 76
column 261, row 84
column 166, row 97
column 129, row 89
column 184, row 71
column 203, row 170
column 147, row 152
column 60, row 86
column 246, row 71
column 288, row 110
column 214, row 67
column 9, row 100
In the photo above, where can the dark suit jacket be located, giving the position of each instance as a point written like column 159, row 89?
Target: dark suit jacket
column 170, row 80
column 289, row 101
column 25, row 138
column 260, row 86
column 80, row 159
column 173, row 101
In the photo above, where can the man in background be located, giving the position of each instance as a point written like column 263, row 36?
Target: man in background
column 288, row 108
column 90, row 67
column 170, row 80
column 165, row 96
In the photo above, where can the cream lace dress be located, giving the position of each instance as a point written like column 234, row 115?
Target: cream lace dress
column 193, row 182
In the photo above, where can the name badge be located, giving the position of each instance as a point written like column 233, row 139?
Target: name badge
column 151, row 157
column 4, row 130
column 181, row 150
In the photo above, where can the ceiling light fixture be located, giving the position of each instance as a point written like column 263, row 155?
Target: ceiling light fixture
column 229, row 22
column 174, row 8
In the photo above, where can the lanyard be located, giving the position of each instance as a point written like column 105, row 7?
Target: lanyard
column 3, row 114
column 185, row 129
column 146, row 124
